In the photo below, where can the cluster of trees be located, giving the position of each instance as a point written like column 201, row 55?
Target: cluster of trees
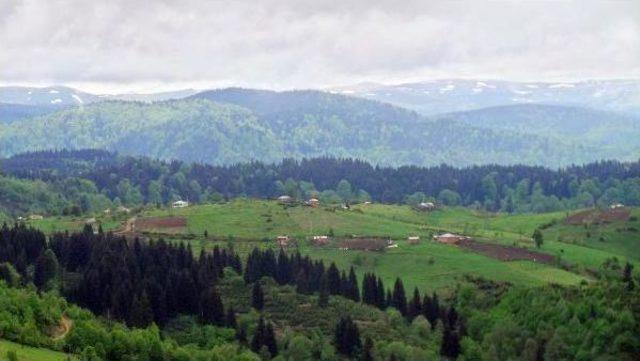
column 28, row 317
column 92, row 180
column 598, row 321
column 142, row 283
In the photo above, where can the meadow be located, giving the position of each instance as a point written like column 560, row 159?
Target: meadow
column 244, row 224
column 27, row 353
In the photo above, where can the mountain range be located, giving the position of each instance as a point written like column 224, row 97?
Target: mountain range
column 234, row 125
column 451, row 95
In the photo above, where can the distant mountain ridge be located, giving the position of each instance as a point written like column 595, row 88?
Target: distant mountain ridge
column 451, row 95
column 590, row 126
column 236, row 125
column 66, row 96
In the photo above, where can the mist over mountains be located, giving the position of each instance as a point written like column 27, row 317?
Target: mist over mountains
column 455, row 122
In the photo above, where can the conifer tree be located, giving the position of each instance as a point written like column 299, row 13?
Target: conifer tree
column 211, row 308
column 450, row 346
column 399, row 299
column 46, row 270
column 323, row 296
column 230, row 318
column 333, row 276
column 257, row 300
column 347, row 337
column 415, row 305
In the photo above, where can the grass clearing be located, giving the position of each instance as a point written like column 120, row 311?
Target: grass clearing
column 27, row 353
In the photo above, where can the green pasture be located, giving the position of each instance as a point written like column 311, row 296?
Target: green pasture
column 27, row 353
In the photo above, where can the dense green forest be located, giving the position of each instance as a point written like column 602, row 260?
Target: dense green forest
column 240, row 125
column 73, row 182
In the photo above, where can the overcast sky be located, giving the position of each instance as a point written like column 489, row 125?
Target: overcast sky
column 115, row 45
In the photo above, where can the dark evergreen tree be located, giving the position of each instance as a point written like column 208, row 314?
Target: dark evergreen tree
column 450, row 346
column 381, row 301
column 398, row 298
column 46, row 270
column 352, row 290
column 431, row 309
column 141, row 314
column 211, row 308
column 270, row 340
column 415, row 306
column 323, row 293
column 257, row 298
column 230, row 318
column 333, row 276
column 347, row 337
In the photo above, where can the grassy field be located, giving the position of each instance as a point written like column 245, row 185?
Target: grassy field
column 245, row 224
column 71, row 224
column 26, row 353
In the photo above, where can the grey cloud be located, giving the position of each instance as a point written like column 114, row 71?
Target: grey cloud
column 284, row 44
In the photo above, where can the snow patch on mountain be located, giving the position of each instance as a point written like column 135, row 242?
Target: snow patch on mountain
column 77, row 98
column 561, row 85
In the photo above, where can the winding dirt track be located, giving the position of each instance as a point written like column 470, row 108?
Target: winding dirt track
column 63, row 329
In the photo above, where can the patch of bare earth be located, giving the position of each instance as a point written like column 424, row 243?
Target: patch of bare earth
column 506, row 253
column 169, row 224
column 599, row 216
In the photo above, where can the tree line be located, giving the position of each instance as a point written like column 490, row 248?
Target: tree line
column 87, row 177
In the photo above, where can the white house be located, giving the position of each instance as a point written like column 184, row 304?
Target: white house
column 180, row 204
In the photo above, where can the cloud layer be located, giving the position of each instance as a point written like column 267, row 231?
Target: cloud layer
column 294, row 44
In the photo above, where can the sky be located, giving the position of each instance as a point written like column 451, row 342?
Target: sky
column 151, row 45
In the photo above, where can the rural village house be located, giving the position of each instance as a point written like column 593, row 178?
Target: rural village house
column 180, row 204
column 413, row 239
column 320, row 240
column 283, row 241
column 450, row 238
column 313, row 202
column 285, row 199
column 426, row 206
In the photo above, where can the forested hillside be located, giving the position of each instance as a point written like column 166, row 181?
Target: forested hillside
column 236, row 125
column 617, row 132
column 91, row 180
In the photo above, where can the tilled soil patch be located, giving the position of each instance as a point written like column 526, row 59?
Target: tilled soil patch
column 506, row 253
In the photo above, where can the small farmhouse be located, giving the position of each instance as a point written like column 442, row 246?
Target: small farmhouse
column 180, row 204
column 313, row 202
column 35, row 217
column 450, row 238
column 320, row 240
column 283, row 241
column 122, row 209
column 285, row 199
column 616, row 206
column 413, row 239
column 426, row 206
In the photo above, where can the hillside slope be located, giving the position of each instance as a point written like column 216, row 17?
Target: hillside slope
column 235, row 125
column 620, row 133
